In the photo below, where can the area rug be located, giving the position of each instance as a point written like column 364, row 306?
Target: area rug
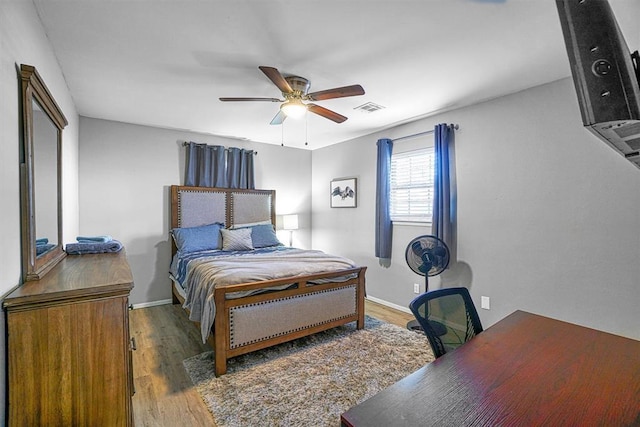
column 309, row 381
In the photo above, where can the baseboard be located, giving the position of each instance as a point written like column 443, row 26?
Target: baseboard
column 152, row 303
column 389, row 304
column 374, row 299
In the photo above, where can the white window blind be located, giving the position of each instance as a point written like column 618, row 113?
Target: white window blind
column 411, row 179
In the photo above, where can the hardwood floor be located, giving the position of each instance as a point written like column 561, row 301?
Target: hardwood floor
column 164, row 393
column 387, row 314
column 165, row 337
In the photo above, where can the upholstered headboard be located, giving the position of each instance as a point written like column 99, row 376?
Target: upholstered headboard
column 195, row 206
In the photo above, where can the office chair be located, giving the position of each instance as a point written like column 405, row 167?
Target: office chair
column 448, row 318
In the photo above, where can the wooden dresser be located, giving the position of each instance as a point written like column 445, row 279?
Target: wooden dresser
column 69, row 350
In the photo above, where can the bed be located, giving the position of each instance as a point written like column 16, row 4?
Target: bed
column 275, row 294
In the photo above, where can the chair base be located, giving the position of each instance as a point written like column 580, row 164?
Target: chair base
column 413, row 325
column 438, row 327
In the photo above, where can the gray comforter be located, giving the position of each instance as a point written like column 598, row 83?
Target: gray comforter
column 207, row 273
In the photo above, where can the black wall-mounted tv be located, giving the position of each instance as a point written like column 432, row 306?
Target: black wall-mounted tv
column 604, row 72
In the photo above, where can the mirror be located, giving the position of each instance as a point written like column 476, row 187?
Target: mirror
column 45, row 190
column 41, row 203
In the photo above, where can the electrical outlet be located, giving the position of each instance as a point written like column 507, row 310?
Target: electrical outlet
column 416, row 288
column 485, row 302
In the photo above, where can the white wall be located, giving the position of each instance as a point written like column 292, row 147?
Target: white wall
column 23, row 41
column 125, row 174
column 548, row 215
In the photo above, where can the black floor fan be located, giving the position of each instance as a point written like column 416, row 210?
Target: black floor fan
column 427, row 256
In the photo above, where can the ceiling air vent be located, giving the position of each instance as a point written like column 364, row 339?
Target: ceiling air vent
column 368, row 107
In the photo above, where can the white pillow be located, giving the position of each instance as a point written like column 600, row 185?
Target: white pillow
column 236, row 240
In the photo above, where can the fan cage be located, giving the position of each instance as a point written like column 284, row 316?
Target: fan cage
column 424, row 250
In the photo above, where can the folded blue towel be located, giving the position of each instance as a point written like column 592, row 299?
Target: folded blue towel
column 44, row 248
column 81, row 248
column 42, row 241
column 90, row 239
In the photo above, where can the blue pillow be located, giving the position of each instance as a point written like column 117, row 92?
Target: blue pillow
column 264, row 236
column 202, row 238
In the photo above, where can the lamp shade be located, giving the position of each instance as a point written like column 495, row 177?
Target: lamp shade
column 290, row 222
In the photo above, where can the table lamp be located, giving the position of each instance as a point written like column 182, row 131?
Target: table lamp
column 290, row 223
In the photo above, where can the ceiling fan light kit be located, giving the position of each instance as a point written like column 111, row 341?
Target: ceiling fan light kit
column 295, row 90
column 294, row 108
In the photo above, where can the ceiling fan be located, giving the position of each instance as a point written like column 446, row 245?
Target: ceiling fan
column 295, row 90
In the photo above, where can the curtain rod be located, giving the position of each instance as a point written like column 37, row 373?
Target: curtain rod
column 185, row 143
column 428, row 132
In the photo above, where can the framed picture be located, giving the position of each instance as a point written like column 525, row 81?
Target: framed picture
column 344, row 193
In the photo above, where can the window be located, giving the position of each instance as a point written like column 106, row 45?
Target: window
column 411, row 179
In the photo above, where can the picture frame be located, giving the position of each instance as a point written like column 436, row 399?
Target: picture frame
column 343, row 193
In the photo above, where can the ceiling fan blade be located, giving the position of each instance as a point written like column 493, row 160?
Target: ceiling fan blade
column 339, row 92
column 279, row 118
column 252, row 99
column 277, row 79
column 326, row 113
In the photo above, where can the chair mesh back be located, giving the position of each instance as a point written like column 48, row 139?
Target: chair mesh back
column 448, row 318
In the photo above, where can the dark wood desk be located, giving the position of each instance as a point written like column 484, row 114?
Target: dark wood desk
column 526, row 370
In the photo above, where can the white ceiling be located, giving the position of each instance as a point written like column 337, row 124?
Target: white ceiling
column 166, row 63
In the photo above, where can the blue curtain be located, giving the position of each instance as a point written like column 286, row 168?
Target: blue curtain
column 240, row 168
column 217, row 166
column 384, row 229
column 205, row 165
column 443, row 223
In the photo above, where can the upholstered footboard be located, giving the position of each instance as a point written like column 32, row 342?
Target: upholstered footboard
column 252, row 323
column 248, row 324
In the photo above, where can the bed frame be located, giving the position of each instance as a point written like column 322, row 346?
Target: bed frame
column 247, row 324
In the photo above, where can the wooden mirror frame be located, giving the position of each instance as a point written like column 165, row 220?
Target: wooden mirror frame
column 34, row 89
